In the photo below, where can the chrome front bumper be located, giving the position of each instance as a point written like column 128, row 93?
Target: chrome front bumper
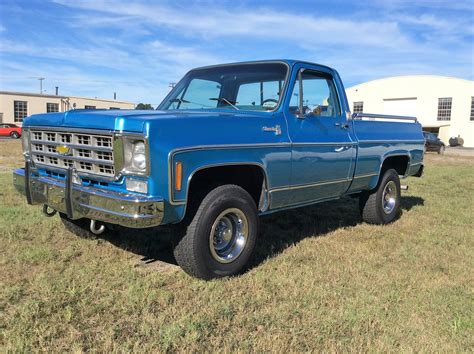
column 77, row 201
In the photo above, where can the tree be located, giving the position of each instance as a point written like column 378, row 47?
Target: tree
column 143, row 106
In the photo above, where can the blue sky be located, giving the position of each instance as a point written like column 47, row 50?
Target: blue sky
column 135, row 48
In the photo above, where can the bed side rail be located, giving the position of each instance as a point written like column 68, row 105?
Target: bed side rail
column 361, row 116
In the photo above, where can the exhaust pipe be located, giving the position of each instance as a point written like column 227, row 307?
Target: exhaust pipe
column 48, row 213
column 403, row 187
column 96, row 230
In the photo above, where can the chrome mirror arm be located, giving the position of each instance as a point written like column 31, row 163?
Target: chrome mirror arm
column 300, row 114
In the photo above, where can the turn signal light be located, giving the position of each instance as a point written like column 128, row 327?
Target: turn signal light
column 178, row 176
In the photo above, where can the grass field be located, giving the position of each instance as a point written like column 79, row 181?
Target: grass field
column 320, row 280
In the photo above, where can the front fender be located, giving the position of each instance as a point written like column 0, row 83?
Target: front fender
column 272, row 159
column 195, row 160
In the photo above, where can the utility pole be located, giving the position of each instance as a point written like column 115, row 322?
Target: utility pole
column 171, row 85
column 41, row 84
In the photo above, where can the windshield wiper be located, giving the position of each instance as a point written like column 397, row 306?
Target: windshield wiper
column 225, row 100
column 181, row 100
column 178, row 100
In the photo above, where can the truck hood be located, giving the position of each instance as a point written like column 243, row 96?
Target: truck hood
column 118, row 120
column 122, row 120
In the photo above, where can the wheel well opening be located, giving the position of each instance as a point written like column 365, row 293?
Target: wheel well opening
column 398, row 163
column 249, row 177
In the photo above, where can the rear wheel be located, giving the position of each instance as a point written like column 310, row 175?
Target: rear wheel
column 382, row 205
column 221, row 236
column 14, row 135
column 441, row 150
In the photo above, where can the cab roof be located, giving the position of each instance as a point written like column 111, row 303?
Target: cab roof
column 289, row 62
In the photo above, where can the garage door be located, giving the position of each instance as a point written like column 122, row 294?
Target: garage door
column 400, row 107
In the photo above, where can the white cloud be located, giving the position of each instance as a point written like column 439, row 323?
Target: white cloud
column 431, row 4
column 257, row 23
column 443, row 29
column 319, row 33
column 104, row 56
column 137, row 48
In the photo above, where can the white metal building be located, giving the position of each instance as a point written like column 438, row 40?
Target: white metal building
column 14, row 106
column 443, row 105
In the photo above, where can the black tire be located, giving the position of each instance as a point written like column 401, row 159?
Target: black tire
column 193, row 251
column 79, row 227
column 441, row 150
column 372, row 204
column 14, row 135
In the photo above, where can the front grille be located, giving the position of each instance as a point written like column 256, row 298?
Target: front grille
column 88, row 153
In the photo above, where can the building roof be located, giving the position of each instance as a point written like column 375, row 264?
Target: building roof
column 30, row 94
column 434, row 77
column 16, row 93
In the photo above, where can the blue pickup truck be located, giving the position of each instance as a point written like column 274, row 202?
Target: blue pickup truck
column 229, row 143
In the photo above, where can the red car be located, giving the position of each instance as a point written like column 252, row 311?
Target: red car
column 12, row 130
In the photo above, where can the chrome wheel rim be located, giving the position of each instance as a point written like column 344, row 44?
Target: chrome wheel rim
column 228, row 236
column 389, row 197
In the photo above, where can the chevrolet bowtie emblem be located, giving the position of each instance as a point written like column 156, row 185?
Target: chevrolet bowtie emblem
column 63, row 149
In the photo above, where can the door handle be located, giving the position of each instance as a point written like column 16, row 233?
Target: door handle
column 339, row 149
column 276, row 129
column 342, row 125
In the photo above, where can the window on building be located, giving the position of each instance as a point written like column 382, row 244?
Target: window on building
column 358, row 107
column 89, row 107
column 472, row 108
column 52, row 107
column 444, row 108
column 114, row 108
column 20, row 110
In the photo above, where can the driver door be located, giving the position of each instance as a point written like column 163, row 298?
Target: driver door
column 323, row 149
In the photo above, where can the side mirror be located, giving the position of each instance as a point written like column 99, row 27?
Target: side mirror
column 313, row 110
column 310, row 111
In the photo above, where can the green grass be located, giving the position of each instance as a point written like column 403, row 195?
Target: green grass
column 320, row 280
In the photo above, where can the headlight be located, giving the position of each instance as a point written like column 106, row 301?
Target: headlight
column 25, row 141
column 132, row 155
column 139, row 156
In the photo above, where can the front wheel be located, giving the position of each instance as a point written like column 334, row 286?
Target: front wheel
column 221, row 236
column 14, row 135
column 382, row 205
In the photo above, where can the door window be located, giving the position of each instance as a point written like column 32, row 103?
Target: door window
column 319, row 95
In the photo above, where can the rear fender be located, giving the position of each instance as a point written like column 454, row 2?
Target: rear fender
column 384, row 165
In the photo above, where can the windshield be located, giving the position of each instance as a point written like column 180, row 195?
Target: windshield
column 254, row 87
